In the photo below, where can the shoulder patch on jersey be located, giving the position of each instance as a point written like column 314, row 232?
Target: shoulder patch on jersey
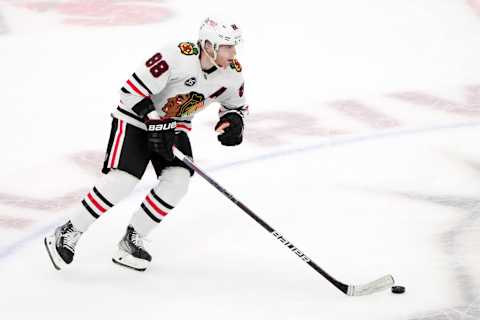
column 188, row 48
column 235, row 65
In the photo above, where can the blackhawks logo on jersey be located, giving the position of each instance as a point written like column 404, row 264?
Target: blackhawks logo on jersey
column 184, row 104
column 188, row 48
column 236, row 65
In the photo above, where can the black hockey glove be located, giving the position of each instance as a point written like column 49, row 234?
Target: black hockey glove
column 232, row 134
column 161, row 137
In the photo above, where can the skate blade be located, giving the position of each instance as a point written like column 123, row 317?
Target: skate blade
column 127, row 266
column 126, row 260
column 50, row 246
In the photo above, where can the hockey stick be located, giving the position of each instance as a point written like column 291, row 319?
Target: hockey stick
column 380, row 284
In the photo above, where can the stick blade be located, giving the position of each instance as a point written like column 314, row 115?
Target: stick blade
column 380, row 284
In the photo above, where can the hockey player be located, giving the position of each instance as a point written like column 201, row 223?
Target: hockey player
column 157, row 104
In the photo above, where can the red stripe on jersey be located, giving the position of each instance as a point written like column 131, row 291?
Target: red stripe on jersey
column 117, row 142
column 183, row 127
column 135, row 88
column 154, row 206
column 99, row 207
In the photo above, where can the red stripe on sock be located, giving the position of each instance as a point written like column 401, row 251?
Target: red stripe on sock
column 96, row 204
column 154, row 206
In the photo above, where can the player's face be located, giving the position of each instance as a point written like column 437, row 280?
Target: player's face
column 225, row 55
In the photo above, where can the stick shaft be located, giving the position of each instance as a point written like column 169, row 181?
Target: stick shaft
column 339, row 285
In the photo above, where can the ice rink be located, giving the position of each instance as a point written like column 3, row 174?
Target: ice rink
column 362, row 148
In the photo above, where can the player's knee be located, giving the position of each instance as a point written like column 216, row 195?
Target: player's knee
column 173, row 184
column 116, row 185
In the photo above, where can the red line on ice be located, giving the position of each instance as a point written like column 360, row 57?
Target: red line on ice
column 475, row 4
column 365, row 114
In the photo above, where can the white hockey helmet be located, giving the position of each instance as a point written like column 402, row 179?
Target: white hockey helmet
column 219, row 32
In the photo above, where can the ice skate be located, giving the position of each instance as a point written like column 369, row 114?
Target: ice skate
column 131, row 253
column 61, row 245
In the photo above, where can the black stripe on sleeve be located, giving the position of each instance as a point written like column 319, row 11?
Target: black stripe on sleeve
column 124, row 90
column 108, row 203
column 151, row 215
column 166, row 205
column 85, row 204
column 141, row 83
column 134, row 116
column 217, row 93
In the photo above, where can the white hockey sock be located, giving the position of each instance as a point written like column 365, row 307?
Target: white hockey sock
column 172, row 186
column 109, row 190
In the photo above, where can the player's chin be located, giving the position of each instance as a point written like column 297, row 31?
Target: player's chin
column 226, row 63
column 223, row 65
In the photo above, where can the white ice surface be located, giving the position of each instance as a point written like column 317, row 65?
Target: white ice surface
column 372, row 201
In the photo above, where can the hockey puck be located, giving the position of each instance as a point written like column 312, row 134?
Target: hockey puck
column 398, row 289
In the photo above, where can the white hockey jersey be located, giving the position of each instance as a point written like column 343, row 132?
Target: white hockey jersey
column 179, row 88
